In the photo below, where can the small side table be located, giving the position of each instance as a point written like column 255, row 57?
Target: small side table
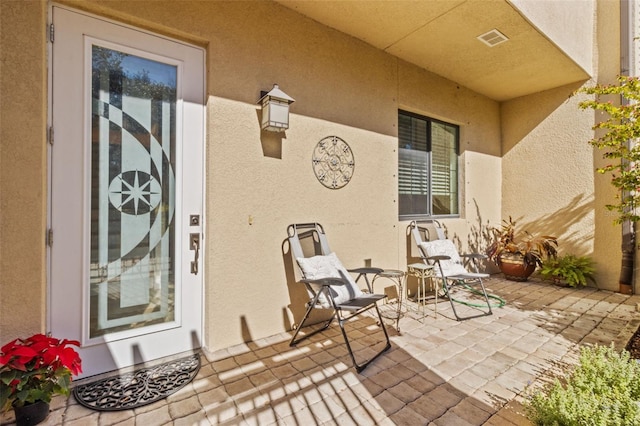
column 397, row 277
column 424, row 272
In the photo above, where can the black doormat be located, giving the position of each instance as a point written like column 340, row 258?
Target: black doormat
column 138, row 388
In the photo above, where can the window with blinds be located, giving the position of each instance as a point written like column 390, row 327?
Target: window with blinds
column 427, row 167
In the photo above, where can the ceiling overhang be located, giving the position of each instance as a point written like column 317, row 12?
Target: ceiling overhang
column 441, row 37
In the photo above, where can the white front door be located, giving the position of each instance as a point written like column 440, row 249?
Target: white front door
column 127, row 115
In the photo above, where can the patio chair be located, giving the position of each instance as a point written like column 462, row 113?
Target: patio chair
column 449, row 266
column 330, row 286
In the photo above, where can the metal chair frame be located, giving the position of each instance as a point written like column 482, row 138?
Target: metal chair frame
column 343, row 312
column 448, row 282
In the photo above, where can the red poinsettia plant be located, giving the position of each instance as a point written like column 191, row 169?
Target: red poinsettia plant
column 35, row 369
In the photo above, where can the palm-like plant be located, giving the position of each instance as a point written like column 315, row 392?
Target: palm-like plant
column 532, row 249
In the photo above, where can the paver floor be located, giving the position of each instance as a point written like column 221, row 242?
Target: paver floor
column 438, row 372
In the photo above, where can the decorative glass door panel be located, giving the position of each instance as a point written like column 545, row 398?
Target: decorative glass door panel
column 127, row 108
column 133, row 144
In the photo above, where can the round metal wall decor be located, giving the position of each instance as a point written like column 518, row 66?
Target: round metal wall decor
column 333, row 162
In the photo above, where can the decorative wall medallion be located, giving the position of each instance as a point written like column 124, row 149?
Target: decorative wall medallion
column 333, row 162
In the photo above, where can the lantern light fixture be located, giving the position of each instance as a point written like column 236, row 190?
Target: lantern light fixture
column 275, row 109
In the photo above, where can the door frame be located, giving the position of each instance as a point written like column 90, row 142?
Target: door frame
column 181, row 225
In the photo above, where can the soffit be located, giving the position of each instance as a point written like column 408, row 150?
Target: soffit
column 440, row 36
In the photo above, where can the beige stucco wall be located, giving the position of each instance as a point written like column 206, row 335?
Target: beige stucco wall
column 480, row 165
column 342, row 87
column 548, row 183
column 258, row 183
column 567, row 23
column 607, row 236
column 23, row 100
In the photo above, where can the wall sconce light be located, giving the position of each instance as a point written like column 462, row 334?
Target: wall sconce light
column 275, row 109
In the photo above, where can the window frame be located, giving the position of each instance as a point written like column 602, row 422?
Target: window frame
column 429, row 215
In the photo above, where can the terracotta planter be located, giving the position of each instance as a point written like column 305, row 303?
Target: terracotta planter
column 514, row 269
column 31, row 414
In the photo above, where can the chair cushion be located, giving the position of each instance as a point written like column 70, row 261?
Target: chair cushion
column 329, row 266
column 452, row 266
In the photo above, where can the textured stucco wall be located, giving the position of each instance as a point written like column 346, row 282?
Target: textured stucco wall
column 567, row 23
column 480, row 164
column 548, row 176
column 527, row 158
column 549, row 184
column 23, row 89
column 607, row 236
column 342, row 87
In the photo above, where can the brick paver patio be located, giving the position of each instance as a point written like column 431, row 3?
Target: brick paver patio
column 440, row 372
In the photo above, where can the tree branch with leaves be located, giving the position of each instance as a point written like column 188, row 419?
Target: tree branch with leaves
column 621, row 129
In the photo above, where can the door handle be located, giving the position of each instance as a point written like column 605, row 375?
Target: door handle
column 194, row 244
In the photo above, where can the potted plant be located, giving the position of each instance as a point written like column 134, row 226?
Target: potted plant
column 32, row 370
column 518, row 256
column 568, row 270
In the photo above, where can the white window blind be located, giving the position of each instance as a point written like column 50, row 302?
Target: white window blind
column 427, row 166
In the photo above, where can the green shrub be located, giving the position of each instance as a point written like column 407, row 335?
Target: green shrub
column 571, row 269
column 603, row 389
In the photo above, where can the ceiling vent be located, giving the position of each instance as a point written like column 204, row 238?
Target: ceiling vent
column 492, row 38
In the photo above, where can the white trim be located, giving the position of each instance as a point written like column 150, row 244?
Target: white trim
column 191, row 105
